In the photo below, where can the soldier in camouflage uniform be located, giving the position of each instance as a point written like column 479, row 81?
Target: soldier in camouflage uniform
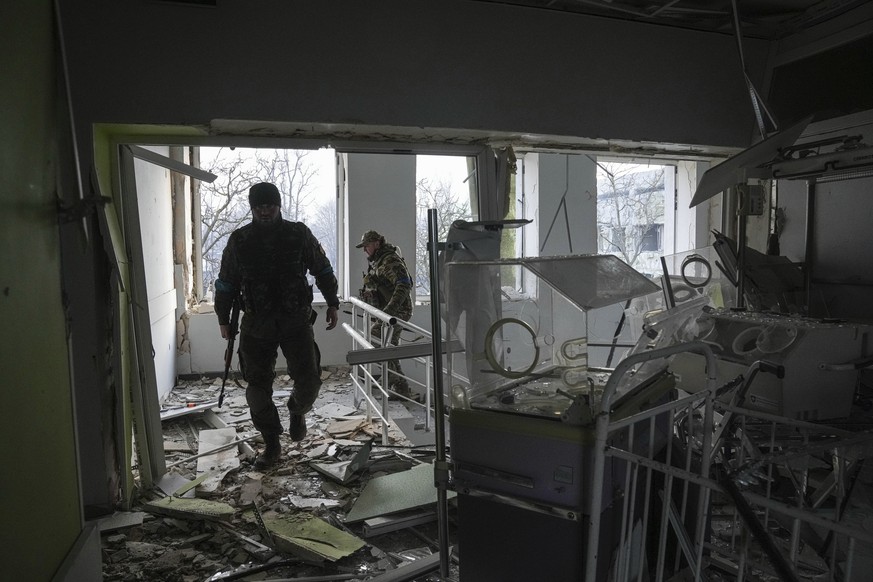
column 387, row 286
column 266, row 262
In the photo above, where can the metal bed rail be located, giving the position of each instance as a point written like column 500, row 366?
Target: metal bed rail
column 733, row 494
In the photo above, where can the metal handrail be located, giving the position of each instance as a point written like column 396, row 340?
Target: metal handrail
column 357, row 336
column 374, row 311
column 360, row 338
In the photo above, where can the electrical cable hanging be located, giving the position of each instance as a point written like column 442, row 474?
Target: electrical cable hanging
column 757, row 102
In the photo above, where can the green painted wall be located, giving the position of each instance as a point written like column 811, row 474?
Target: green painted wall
column 39, row 494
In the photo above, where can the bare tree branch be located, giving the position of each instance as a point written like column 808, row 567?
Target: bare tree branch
column 450, row 207
column 293, row 174
column 630, row 203
column 224, row 202
column 323, row 224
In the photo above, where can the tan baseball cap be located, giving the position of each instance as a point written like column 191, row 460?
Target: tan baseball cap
column 368, row 237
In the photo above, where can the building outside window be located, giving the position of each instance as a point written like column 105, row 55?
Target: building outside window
column 630, row 213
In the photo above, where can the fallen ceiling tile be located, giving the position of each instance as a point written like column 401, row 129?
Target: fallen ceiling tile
column 301, row 502
column 171, row 446
column 311, row 538
column 376, row 526
column 335, row 410
column 397, row 492
column 418, row 437
column 347, row 427
column 250, row 490
column 171, row 483
column 184, row 410
column 218, row 464
column 119, row 520
column 191, row 508
column 346, row 471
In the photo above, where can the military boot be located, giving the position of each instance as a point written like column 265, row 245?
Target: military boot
column 297, row 427
column 401, row 388
column 271, row 453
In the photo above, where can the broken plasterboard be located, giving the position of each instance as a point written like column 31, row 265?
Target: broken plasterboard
column 185, row 410
column 171, row 483
column 346, row 471
column 220, row 463
column 386, row 523
column 335, row 410
column 347, row 427
column 119, row 520
column 251, row 489
column 216, row 421
column 191, row 508
column 311, row 538
column 396, row 492
column 301, row 502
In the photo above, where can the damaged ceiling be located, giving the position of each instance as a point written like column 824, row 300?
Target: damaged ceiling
column 763, row 19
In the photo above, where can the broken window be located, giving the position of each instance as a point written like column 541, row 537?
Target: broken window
column 650, row 237
column 447, row 184
column 311, row 194
column 304, row 177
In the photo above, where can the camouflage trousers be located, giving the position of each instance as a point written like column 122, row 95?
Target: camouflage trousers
column 260, row 339
column 396, row 381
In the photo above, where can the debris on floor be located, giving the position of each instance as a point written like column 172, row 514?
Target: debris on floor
column 395, row 493
column 191, row 508
column 311, row 538
column 212, row 516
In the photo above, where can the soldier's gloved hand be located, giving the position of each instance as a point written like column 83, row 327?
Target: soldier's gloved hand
column 332, row 317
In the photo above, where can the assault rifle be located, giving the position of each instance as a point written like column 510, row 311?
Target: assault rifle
column 231, row 339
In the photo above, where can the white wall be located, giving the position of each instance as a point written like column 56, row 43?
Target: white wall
column 691, row 226
column 380, row 196
column 573, row 177
column 206, row 357
column 154, row 199
column 527, row 186
column 547, row 179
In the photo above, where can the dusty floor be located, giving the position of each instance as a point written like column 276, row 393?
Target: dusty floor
column 185, row 547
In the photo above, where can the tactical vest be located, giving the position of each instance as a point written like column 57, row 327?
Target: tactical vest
column 273, row 275
column 377, row 288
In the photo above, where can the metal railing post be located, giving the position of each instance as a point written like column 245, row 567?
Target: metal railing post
column 441, row 467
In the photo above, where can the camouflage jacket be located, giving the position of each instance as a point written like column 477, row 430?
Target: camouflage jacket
column 387, row 284
column 268, row 266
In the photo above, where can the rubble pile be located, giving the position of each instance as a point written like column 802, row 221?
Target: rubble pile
column 213, row 517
